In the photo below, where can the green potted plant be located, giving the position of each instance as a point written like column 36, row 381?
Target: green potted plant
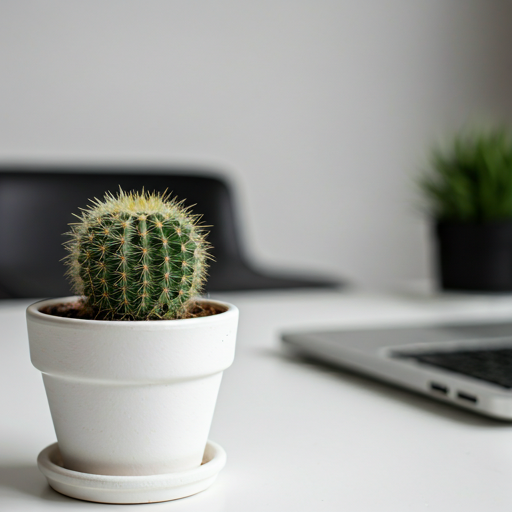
column 132, row 364
column 469, row 195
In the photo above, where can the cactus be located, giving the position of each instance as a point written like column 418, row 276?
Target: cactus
column 137, row 256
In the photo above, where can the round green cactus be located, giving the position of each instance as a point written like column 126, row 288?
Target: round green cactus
column 137, row 256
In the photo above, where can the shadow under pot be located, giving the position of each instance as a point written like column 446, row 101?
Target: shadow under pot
column 475, row 256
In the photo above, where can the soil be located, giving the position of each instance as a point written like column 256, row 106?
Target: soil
column 67, row 310
column 76, row 310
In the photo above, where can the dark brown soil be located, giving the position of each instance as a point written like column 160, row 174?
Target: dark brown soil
column 76, row 310
column 67, row 310
column 205, row 310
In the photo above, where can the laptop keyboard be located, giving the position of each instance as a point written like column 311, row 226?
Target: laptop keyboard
column 490, row 365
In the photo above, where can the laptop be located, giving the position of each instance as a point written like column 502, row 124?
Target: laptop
column 469, row 366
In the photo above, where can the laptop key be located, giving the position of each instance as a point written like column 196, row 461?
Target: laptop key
column 490, row 365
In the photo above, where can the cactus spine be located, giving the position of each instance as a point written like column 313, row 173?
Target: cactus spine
column 137, row 256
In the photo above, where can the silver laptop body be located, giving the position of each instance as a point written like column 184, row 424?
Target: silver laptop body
column 398, row 355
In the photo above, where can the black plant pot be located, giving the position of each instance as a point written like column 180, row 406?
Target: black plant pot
column 475, row 256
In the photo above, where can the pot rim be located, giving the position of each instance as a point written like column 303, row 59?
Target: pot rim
column 34, row 314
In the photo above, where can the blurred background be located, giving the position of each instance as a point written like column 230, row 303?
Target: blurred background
column 321, row 113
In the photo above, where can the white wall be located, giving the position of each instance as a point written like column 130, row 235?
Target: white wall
column 320, row 111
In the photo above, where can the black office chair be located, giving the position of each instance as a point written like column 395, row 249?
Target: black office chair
column 37, row 204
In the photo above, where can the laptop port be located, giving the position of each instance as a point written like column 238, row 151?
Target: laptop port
column 438, row 388
column 467, row 397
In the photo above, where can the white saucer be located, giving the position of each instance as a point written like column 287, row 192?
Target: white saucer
column 131, row 489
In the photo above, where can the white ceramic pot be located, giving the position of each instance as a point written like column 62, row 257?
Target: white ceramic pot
column 134, row 397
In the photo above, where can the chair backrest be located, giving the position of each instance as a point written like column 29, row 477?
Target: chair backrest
column 37, row 204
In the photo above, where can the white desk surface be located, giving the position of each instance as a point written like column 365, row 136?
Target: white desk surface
column 299, row 437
